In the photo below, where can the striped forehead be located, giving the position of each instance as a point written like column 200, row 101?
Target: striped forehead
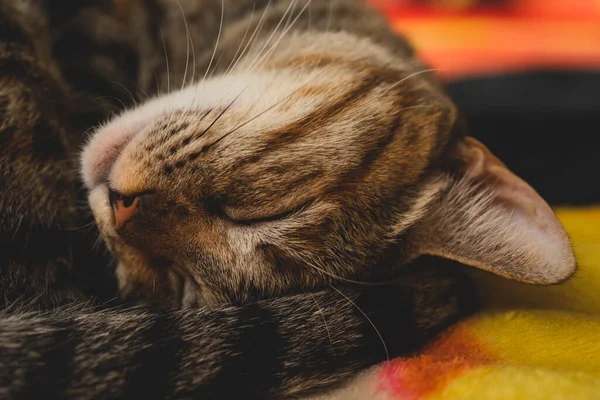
column 249, row 104
column 258, row 91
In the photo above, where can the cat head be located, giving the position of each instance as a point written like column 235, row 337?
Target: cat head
column 321, row 163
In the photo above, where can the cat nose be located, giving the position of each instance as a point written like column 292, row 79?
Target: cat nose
column 124, row 207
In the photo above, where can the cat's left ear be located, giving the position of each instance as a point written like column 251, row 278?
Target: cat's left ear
column 491, row 219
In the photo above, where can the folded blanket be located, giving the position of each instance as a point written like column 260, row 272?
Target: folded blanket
column 528, row 342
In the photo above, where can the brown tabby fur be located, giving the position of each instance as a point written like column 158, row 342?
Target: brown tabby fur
column 365, row 146
column 35, row 160
column 306, row 151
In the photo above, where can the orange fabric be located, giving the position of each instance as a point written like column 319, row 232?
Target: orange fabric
column 453, row 354
column 464, row 38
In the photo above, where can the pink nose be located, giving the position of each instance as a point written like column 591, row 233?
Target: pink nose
column 124, row 207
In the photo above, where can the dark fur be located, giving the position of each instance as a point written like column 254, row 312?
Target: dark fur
column 37, row 177
column 54, row 73
column 275, row 348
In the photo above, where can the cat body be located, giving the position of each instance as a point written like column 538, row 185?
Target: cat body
column 333, row 90
column 81, row 351
column 277, row 348
column 37, row 172
column 291, row 148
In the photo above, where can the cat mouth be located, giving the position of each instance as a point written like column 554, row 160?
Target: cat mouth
column 184, row 290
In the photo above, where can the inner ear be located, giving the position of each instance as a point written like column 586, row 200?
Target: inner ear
column 491, row 219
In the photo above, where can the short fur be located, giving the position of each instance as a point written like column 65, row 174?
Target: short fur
column 278, row 348
column 308, row 149
column 372, row 138
column 80, row 351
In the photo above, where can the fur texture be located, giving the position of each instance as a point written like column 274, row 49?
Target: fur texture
column 328, row 88
column 81, row 351
column 37, row 170
column 288, row 146
column 254, row 224
column 278, row 348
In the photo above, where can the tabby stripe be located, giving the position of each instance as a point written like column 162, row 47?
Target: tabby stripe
column 23, row 70
column 319, row 60
column 47, row 143
column 29, row 74
column 156, row 364
column 7, row 138
column 456, row 132
column 81, row 73
column 352, row 178
column 310, row 177
column 53, row 373
column 249, row 371
column 318, row 118
column 10, row 32
column 322, row 115
column 381, row 145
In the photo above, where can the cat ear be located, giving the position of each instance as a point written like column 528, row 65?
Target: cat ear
column 491, row 219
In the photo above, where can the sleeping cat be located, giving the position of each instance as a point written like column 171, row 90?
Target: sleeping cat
column 315, row 153
column 308, row 151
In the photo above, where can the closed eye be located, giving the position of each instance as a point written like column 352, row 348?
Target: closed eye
column 216, row 209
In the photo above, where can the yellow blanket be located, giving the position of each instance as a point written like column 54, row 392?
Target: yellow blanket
column 528, row 342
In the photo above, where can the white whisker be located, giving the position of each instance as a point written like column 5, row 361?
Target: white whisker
column 113, row 97
column 410, row 76
column 286, row 98
column 287, row 29
column 321, row 311
column 216, row 66
column 252, row 39
column 143, row 91
column 346, row 280
column 217, row 42
column 167, row 61
column 128, row 92
column 187, row 33
column 193, row 59
column 241, row 42
column 271, row 36
column 387, row 354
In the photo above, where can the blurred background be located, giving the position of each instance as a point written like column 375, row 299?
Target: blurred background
column 526, row 77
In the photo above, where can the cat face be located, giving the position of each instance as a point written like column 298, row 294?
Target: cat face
column 314, row 165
